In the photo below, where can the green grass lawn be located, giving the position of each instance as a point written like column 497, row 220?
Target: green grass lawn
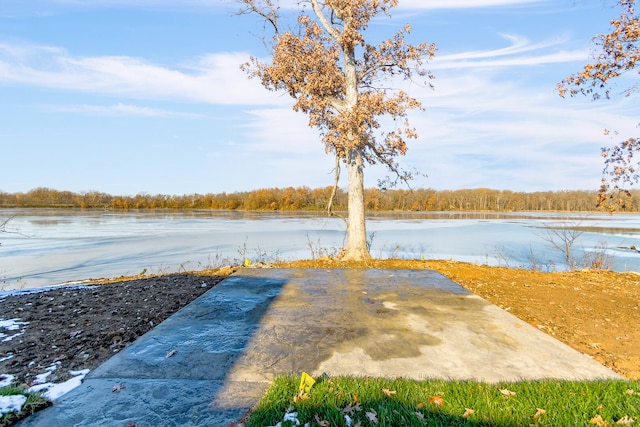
column 379, row 402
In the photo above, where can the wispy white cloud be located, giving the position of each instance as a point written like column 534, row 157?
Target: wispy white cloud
column 281, row 130
column 480, row 129
column 466, row 4
column 520, row 52
column 144, row 3
column 290, row 4
column 120, row 109
column 214, row 78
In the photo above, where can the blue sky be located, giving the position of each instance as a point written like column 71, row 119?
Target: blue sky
column 130, row 96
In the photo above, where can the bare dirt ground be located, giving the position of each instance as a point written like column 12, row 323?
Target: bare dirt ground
column 81, row 327
column 597, row 313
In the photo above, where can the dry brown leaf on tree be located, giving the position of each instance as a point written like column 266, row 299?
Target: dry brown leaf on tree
column 340, row 81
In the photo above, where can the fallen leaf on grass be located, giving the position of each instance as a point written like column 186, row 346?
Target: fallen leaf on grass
column 373, row 416
column 322, row 423
column 630, row 392
column 352, row 409
column 538, row 413
column 419, row 416
column 626, row 421
column 598, row 421
column 467, row 413
column 388, row 392
column 300, row 397
column 437, row 400
column 507, row 393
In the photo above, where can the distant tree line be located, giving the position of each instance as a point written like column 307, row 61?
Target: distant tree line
column 304, row 198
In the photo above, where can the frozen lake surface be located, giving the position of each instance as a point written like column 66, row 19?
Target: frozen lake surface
column 49, row 246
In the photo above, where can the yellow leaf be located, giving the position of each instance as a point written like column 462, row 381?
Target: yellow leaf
column 388, row 392
column 300, row 397
column 598, row 421
column 306, row 382
column 539, row 412
column 437, row 400
column 507, row 393
column 468, row 412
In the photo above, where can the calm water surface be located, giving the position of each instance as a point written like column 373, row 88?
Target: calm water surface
column 45, row 247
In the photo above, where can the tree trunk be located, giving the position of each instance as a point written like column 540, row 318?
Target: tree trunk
column 356, row 249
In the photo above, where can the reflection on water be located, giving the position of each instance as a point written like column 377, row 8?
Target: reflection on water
column 50, row 246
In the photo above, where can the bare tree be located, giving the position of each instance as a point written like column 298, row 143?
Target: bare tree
column 563, row 237
column 617, row 53
column 342, row 83
column 3, row 225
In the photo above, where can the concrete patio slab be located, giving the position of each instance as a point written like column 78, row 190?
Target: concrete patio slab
column 209, row 363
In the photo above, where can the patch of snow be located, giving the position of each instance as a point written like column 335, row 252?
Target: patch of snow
column 28, row 291
column 11, row 325
column 292, row 417
column 55, row 391
column 4, row 359
column 6, row 379
column 42, row 378
column 11, row 403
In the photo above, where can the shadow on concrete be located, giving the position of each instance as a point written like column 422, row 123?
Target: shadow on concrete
column 169, row 376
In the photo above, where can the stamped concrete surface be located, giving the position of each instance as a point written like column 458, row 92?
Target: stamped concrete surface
column 208, row 364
